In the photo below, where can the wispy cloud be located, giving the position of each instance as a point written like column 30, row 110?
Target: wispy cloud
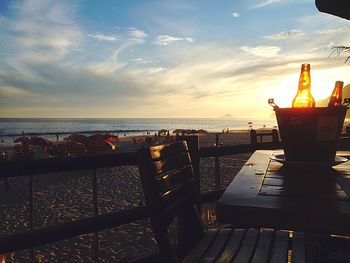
column 236, row 14
column 137, row 33
column 262, row 51
column 165, row 40
column 331, row 31
column 285, row 35
column 44, row 29
column 16, row 93
column 103, row 37
column 141, row 61
column 266, row 3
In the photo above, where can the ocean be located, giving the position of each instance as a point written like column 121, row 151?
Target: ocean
column 14, row 127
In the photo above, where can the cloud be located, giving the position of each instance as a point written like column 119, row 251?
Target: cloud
column 262, row 51
column 266, row 3
column 136, row 36
column 164, row 40
column 42, row 29
column 330, row 31
column 141, row 61
column 286, row 35
column 110, row 65
column 136, row 33
column 102, row 37
column 235, row 14
column 16, row 93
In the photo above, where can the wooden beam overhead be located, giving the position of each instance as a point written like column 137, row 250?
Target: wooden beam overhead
column 340, row 8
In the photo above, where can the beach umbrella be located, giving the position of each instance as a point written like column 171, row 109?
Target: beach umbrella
column 110, row 137
column 96, row 136
column 71, row 148
column 106, row 136
column 40, row 141
column 77, row 137
column 100, row 146
column 23, row 139
column 250, row 125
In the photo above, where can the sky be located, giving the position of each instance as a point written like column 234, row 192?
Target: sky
column 163, row 59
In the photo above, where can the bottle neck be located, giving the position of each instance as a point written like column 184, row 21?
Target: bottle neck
column 305, row 80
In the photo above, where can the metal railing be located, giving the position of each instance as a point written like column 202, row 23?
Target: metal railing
column 35, row 168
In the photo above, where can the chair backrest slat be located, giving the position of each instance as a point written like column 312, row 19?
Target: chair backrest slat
column 170, row 163
column 168, row 181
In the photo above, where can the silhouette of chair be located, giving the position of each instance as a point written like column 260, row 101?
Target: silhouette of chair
column 171, row 192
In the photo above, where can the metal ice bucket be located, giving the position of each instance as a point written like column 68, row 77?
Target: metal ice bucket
column 310, row 134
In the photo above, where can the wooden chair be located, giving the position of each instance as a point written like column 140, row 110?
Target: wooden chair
column 171, row 192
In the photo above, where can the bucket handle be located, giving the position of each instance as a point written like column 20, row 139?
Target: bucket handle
column 272, row 103
column 346, row 102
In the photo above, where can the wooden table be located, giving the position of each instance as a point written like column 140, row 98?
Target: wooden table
column 268, row 194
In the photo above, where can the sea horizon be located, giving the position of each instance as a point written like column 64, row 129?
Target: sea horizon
column 129, row 126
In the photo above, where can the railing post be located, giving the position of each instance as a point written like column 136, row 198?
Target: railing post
column 217, row 165
column 275, row 136
column 253, row 138
column 31, row 211
column 96, row 212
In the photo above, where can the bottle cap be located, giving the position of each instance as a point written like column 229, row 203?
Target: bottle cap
column 339, row 82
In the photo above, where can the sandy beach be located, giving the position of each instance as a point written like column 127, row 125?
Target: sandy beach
column 63, row 197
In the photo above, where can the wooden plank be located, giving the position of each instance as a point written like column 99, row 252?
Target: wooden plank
column 217, row 246
column 280, row 247
column 179, row 193
column 344, row 183
column 172, row 179
column 232, row 246
column 193, row 148
column 172, row 163
column 13, row 168
column 247, row 249
column 273, row 181
column 283, row 191
column 262, row 251
column 314, row 246
column 62, row 231
column 298, row 248
column 248, row 181
column 201, row 247
column 166, row 150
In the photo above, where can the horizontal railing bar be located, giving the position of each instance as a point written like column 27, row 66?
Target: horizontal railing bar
column 12, row 168
column 264, row 134
column 62, row 231
column 237, row 149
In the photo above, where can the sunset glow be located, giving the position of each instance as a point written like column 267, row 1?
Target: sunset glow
column 163, row 58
